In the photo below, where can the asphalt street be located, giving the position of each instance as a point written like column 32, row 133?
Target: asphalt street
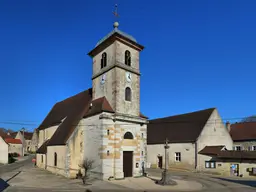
column 210, row 183
column 17, row 166
column 213, row 183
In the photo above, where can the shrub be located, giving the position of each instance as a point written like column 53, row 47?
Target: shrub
column 11, row 159
column 86, row 165
column 15, row 154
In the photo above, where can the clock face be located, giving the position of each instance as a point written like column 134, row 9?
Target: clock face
column 128, row 76
column 103, row 79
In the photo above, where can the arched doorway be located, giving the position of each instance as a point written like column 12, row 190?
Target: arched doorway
column 128, row 157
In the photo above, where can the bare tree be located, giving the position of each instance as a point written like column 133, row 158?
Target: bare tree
column 86, row 165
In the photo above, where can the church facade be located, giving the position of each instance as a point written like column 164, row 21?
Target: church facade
column 103, row 123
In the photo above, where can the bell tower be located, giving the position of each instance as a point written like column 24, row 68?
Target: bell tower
column 116, row 71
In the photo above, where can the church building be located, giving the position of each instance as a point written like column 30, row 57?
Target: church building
column 102, row 123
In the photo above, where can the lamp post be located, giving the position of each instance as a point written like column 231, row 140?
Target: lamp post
column 166, row 176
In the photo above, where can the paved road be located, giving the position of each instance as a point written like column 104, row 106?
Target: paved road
column 44, row 181
column 17, row 166
column 213, row 183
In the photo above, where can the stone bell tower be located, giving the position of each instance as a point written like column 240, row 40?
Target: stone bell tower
column 116, row 71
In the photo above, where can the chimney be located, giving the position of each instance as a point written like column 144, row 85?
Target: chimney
column 228, row 126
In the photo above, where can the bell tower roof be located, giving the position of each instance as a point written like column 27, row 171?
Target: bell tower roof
column 114, row 35
column 116, row 30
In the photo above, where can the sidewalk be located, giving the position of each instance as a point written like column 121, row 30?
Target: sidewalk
column 23, row 158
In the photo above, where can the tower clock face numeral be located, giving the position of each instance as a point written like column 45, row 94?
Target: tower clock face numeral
column 103, row 79
column 128, row 77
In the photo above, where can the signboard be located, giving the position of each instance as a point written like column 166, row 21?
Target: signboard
column 254, row 170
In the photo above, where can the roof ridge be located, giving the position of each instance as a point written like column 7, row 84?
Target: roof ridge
column 181, row 114
column 244, row 122
column 73, row 96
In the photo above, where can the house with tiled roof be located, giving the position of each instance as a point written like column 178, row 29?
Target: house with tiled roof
column 25, row 138
column 15, row 146
column 102, row 123
column 231, row 162
column 243, row 135
column 187, row 134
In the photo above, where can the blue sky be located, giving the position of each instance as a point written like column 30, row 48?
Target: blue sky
column 199, row 54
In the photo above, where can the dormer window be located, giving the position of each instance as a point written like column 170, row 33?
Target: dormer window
column 127, row 58
column 103, row 60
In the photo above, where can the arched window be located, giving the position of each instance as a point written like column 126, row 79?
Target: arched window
column 103, row 60
column 128, row 94
column 127, row 58
column 128, row 135
column 55, row 159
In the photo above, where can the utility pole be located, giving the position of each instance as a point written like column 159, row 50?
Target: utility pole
column 166, row 176
column 24, row 141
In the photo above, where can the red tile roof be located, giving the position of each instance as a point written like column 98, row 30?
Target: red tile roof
column 4, row 134
column 217, row 151
column 243, row 131
column 13, row 141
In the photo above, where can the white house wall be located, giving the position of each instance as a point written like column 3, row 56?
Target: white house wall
column 93, row 136
column 3, row 151
column 187, row 151
column 214, row 133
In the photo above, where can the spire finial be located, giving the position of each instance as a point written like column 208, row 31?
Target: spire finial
column 116, row 24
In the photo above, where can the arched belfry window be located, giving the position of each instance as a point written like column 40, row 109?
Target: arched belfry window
column 128, row 135
column 127, row 58
column 55, row 159
column 128, row 94
column 103, row 60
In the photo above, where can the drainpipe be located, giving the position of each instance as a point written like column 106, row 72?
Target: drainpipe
column 195, row 155
column 115, row 152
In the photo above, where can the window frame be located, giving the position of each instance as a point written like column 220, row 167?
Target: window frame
column 55, row 159
column 128, row 94
column 252, row 148
column 236, row 146
column 127, row 58
column 128, row 135
column 210, row 164
column 177, row 156
column 103, row 61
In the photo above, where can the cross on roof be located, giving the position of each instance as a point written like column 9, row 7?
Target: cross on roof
column 115, row 12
